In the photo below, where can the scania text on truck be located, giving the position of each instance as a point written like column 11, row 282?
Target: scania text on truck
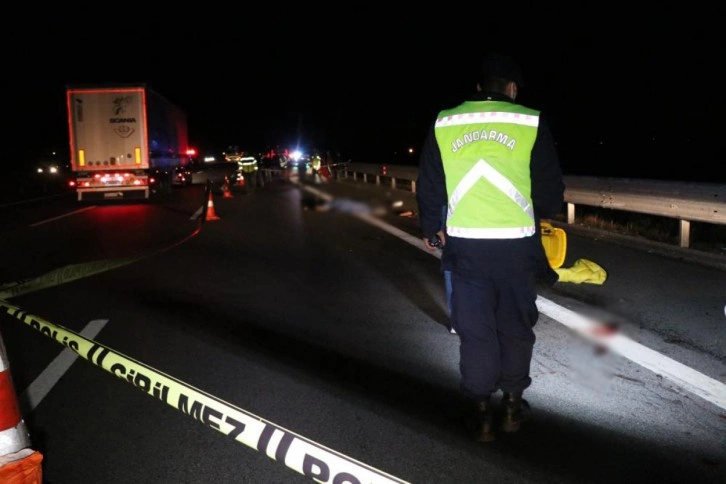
column 126, row 142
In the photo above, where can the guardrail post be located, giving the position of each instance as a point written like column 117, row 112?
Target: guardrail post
column 378, row 179
column 685, row 233
column 570, row 213
column 365, row 177
column 413, row 186
column 393, row 182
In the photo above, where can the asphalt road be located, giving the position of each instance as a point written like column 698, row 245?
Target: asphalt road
column 286, row 343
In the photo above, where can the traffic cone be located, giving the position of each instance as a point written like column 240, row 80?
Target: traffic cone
column 211, row 214
column 225, row 188
column 19, row 464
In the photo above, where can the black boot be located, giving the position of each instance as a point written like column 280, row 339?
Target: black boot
column 514, row 410
column 480, row 423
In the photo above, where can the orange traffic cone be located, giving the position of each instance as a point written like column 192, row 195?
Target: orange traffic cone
column 19, row 464
column 225, row 188
column 211, row 214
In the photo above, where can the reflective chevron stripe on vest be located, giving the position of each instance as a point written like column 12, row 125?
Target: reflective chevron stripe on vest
column 486, row 147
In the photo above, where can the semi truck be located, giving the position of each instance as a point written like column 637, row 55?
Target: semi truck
column 126, row 142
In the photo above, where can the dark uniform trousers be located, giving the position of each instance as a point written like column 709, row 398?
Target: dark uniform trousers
column 494, row 319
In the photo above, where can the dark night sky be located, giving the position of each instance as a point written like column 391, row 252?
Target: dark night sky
column 628, row 93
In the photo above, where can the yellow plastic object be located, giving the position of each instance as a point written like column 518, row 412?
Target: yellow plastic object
column 554, row 241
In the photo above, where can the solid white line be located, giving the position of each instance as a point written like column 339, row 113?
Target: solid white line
column 43, row 384
column 325, row 196
column 197, row 214
column 401, row 234
column 415, row 241
column 62, row 216
column 687, row 378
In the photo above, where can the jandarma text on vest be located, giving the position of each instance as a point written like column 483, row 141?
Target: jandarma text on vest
column 483, row 135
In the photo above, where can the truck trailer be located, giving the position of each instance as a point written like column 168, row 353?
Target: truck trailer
column 126, row 142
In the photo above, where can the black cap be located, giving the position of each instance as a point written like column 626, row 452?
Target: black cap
column 497, row 64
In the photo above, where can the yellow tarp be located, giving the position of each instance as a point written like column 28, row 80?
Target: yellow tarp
column 582, row 271
column 554, row 241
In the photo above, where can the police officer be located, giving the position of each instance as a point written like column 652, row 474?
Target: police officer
column 315, row 162
column 494, row 163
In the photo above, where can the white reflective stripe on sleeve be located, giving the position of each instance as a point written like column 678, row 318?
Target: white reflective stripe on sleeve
column 488, row 117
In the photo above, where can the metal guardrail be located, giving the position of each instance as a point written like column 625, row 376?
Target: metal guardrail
column 686, row 202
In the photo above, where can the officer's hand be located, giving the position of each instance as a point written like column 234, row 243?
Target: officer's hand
column 442, row 237
column 428, row 245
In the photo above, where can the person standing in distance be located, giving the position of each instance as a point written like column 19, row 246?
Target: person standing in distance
column 494, row 163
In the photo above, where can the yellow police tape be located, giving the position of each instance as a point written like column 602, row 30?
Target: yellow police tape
column 302, row 455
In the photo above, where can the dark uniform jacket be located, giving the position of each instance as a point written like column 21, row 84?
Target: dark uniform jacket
column 492, row 258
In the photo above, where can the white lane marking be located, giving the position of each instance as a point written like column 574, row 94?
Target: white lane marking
column 197, row 214
column 43, row 384
column 687, row 378
column 325, row 196
column 415, row 241
column 62, row 216
column 401, row 234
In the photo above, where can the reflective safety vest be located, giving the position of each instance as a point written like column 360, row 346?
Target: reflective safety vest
column 248, row 164
column 486, row 148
